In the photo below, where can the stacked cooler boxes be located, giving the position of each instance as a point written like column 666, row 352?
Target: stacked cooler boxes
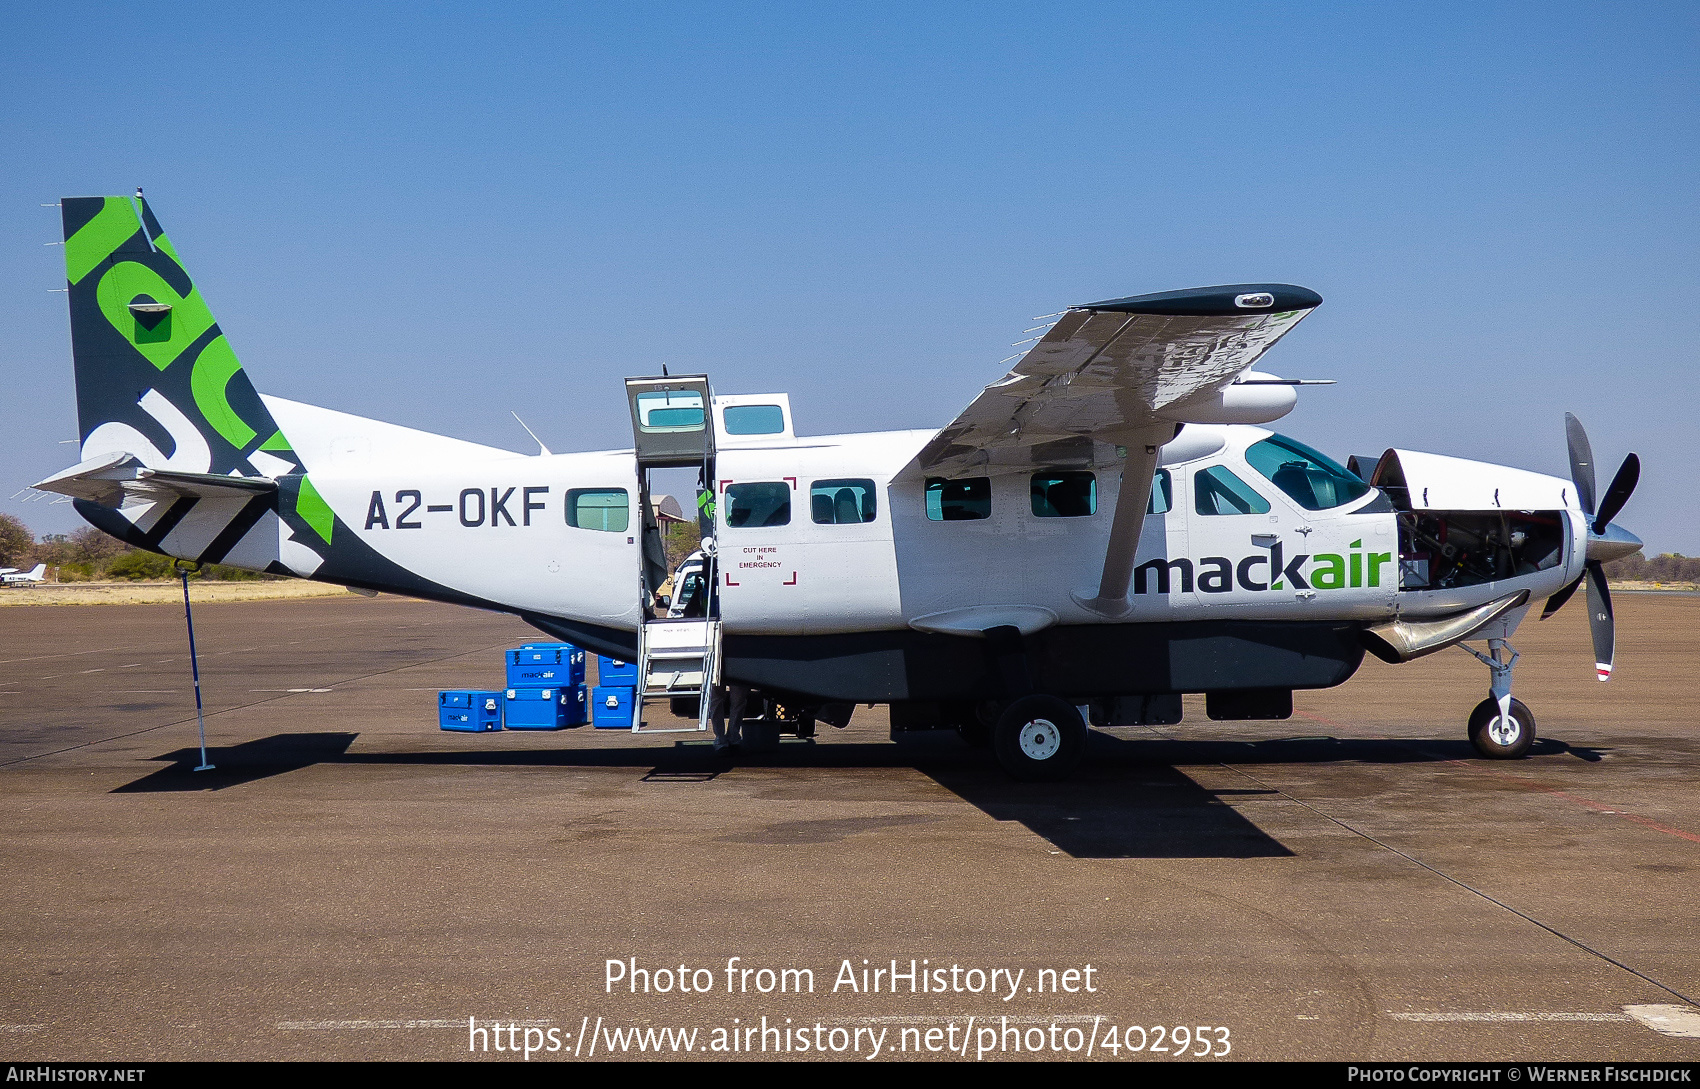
column 546, row 687
column 472, row 712
column 613, row 701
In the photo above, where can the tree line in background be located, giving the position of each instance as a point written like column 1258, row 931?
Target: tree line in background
column 88, row 555
column 1670, row 567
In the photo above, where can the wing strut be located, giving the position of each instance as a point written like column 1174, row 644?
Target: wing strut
column 1132, row 498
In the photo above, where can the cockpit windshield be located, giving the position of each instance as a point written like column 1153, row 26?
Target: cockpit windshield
column 1310, row 479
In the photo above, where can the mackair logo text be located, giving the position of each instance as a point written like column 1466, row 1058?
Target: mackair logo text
column 1273, row 571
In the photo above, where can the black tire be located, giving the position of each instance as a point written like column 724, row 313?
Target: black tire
column 1039, row 738
column 685, row 706
column 964, row 718
column 1496, row 743
column 805, row 726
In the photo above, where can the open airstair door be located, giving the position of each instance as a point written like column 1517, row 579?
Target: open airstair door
column 670, row 421
column 672, row 428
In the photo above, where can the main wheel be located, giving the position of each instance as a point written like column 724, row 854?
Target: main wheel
column 1039, row 738
column 1498, row 739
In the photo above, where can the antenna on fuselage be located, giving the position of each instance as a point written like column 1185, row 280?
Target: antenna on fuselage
column 541, row 449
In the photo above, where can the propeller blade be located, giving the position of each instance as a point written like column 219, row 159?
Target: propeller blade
column 1556, row 601
column 1581, row 463
column 1600, row 623
column 1622, row 487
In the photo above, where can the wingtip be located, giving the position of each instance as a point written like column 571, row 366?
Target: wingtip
column 1220, row 301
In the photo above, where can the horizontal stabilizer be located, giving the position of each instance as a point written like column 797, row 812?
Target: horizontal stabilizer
column 120, row 480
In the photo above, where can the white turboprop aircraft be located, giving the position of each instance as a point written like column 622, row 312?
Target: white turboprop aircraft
column 1101, row 530
column 11, row 576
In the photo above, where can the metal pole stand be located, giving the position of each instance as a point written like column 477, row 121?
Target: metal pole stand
column 195, row 669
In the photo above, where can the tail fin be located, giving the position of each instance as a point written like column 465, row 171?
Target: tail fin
column 38, row 572
column 158, row 384
column 155, row 376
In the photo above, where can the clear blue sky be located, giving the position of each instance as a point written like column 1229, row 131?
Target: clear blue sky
column 435, row 213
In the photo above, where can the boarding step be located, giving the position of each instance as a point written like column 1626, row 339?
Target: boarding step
column 674, row 653
column 678, row 660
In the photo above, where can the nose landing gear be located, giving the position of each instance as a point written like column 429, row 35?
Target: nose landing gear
column 1501, row 728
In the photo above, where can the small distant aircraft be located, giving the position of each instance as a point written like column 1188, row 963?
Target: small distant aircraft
column 11, row 576
column 1100, row 531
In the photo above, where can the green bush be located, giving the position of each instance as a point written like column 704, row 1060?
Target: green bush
column 138, row 565
column 221, row 573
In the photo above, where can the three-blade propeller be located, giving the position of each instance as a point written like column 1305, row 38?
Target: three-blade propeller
column 1605, row 541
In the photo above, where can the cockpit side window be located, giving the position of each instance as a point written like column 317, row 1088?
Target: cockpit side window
column 1218, row 491
column 1310, row 479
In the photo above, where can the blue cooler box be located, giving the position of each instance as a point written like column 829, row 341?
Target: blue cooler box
column 471, row 712
column 611, row 706
column 613, row 673
column 545, row 665
column 546, row 708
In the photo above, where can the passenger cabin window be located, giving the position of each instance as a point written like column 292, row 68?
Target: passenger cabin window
column 670, row 410
column 606, row 509
column 1162, row 493
column 1218, row 491
column 754, row 506
column 959, row 500
column 754, row 420
column 1310, row 479
column 1064, row 494
column 842, row 502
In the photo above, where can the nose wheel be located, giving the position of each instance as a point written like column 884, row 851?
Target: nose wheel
column 1501, row 728
column 1501, row 736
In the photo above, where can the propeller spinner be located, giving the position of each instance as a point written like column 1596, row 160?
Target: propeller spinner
column 1605, row 541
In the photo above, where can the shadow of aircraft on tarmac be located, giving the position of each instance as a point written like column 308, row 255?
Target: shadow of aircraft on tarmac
column 1128, row 800
column 234, row 765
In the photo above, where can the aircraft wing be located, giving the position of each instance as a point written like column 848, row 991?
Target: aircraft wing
column 1108, row 373
column 120, row 480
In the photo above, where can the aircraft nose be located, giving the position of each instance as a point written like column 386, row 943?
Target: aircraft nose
column 1615, row 543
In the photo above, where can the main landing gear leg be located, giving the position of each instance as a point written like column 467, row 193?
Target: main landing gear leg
column 1501, row 728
